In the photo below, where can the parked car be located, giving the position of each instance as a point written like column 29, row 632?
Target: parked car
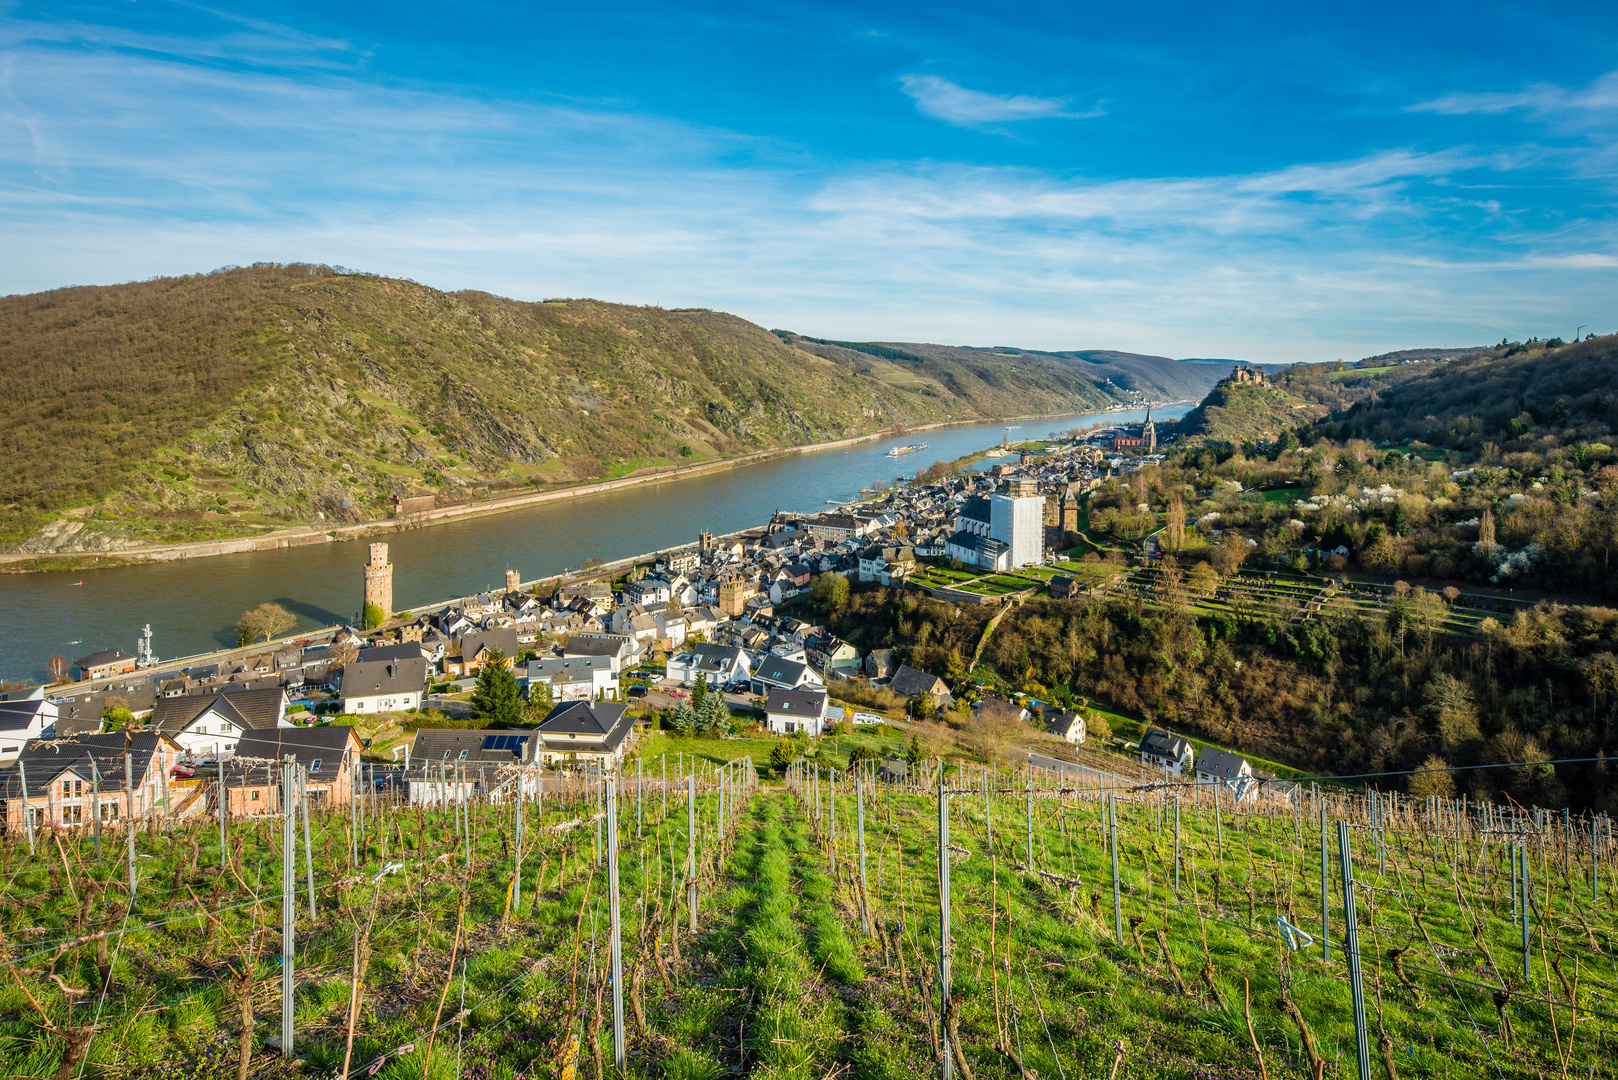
column 184, row 771
column 637, row 691
column 868, row 718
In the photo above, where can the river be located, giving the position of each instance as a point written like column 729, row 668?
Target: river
column 193, row 604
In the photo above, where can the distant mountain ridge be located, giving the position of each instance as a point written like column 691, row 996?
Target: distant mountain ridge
column 249, row 399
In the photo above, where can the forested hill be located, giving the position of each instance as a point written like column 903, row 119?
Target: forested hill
column 251, row 398
column 1511, row 396
column 982, row 375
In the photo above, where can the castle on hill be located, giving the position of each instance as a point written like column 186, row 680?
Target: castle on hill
column 1250, row 373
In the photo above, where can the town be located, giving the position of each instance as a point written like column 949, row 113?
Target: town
column 596, row 650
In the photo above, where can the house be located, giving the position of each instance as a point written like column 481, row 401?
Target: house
column 104, row 664
column 585, row 731
column 574, row 678
column 832, row 656
column 1064, row 588
column 1171, row 753
column 1066, row 724
column 209, row 725
column 619, row 648
column 997, row 708
column 719, row 664
column 907, row 682
column 788, row 712
column 23, row 720
column 879, row 663
column 477, row 647
column 80, row 780
column 384, row 685
column 330, row 753
column 1216, row 766
column 445, row 765
column 783, row 674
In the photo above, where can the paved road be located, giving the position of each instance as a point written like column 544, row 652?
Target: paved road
column 1064, row 769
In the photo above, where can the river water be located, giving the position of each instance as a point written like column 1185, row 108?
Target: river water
column 193, row 604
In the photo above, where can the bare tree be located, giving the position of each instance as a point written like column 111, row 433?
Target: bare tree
column 265, row 621
column 56, row 667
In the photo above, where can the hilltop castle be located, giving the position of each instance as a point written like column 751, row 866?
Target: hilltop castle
column 1252, row 373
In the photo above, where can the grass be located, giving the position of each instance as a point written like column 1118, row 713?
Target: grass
column 781, row 979
column 1354, row 373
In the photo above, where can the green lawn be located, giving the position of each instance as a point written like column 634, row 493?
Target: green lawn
column 1354, row 373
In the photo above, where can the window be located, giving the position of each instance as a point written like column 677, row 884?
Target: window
column 72, row 815
column 109, row 811
column 314, row 766
column 255, row 796
column 67, row 789
column 202, row 729
column 461, row 756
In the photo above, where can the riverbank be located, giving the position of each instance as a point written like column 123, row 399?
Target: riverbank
column 307, row 535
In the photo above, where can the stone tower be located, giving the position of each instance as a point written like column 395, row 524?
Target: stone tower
column 513, row 581
column 379, row 579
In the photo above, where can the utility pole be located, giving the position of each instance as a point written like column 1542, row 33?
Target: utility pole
column 618, row 1055
column 691, row 846
column 289, row 896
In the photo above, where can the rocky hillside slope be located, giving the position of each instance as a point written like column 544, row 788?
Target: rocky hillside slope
column 253, row 398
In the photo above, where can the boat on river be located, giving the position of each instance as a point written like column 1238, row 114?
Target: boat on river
column 901, row 451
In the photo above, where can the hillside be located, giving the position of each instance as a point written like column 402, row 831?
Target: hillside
column 993, row 379
column 1238, row 412
column 221, row 404
column 1512, row 396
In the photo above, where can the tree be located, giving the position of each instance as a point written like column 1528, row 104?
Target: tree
column 1434, row 779
column 540, row 701
column 913, row 753
column 714, row 715
column 699, row 691
column 830, row 591
column 373, row 615
column 1174, row 532
column 116, row 717
column 683, row 719
column 496, row 698
column 594, row 563
column 57, row 668
column 782, row 753
column 265, row 621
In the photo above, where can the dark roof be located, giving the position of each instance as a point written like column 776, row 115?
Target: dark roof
column 503, row 638
column 253, row 708
column 779, row 669
column 1160, row 743
column 43, row 760
column 19, row 715
column 408, row 650
column 976, row 508
column 325, row 744
column 1058, row 721
column 570, row 669
column 407, row 676
column 908, row 681
column 606, row 723
column 1220, row 764
column 587, row 645
column 434, row 745
column 104, row 657
column 974, row 542
column 712, row 657
column 797, row 702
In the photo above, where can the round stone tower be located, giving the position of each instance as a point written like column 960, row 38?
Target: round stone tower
column 379, row 579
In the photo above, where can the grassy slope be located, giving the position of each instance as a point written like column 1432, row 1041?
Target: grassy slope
column 1237, row 412
column 188, row 408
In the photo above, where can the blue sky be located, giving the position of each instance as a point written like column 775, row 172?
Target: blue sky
column 1270, row 182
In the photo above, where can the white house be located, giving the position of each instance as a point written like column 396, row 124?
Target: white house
column 24, row 719
column 788, row 712
column 384, row 685
column 719, row 663
column 575, row 678
column 781, row 674
column 210, row 725
column 1232, row 770
column 1171, row 753
column 1067, row 724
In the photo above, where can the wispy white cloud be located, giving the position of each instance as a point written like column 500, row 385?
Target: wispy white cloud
column 1544, row 99
column 952, row 103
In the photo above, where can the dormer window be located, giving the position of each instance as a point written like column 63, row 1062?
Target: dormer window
column 461, row 756
column 314, row 766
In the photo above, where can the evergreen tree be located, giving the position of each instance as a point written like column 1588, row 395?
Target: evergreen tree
column 699, row 691
column 715, row 715
column 684, row 719
column 496, row 698
column 913, row 753
column 782, row 753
